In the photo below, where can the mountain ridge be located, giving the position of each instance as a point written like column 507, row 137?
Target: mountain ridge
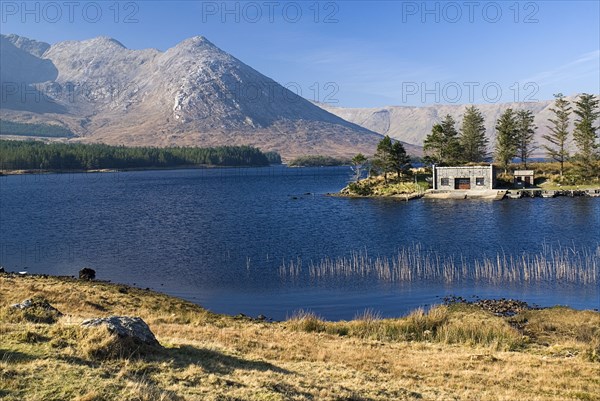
column 193, row 94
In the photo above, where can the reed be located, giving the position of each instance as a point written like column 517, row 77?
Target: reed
column 556, row 264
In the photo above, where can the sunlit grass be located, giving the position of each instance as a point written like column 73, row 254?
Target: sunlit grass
column 457, row 352
column 558, row 264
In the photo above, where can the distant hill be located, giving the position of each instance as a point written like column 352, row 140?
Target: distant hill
column 413, row 124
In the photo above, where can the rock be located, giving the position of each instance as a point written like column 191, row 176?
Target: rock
column 36, row 302
column 87, row 274
column 126, row 327
column 38, row 310
column 2, row 269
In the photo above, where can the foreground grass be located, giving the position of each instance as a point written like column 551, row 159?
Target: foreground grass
column 457, row 352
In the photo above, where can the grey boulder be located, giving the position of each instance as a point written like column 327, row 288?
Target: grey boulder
column 125, row 327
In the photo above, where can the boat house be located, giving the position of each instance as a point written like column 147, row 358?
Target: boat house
column 523, row 178
column 464, row 178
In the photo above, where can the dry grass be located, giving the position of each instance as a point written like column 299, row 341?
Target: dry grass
column 558, row 264
column 457, row 352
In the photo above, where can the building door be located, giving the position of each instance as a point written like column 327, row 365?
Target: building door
column 462, row 183
column 528, row 180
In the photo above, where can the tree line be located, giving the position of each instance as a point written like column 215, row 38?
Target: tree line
column 515, row 132
column 27, row 155
column 31, row 129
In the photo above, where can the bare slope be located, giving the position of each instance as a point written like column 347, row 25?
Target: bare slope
column 191, row 94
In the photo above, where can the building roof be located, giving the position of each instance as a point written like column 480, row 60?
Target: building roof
column 463, row 167
column 523, row 172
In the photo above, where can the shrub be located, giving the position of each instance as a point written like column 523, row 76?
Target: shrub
column 360, row 189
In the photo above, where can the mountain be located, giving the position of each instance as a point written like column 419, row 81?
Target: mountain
column 413, row 124
column 191, row 94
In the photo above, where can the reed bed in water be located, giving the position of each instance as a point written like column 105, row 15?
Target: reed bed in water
column 559, row 264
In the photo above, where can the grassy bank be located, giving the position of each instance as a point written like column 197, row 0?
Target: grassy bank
column 377, row 186
column 456, row 352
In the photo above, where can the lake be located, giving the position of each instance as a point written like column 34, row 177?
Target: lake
column 251, row 240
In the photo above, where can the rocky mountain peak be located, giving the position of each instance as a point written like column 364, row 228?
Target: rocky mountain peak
column 28, row 45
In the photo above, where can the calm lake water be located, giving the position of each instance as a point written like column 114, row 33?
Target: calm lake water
column 219, row 237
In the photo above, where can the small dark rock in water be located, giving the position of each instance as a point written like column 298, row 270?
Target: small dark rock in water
column 262, row 317
column 125, row 327
column 87, row 274
column 2, row 269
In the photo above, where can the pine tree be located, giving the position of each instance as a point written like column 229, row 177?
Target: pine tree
column 585, row 135
column 506, row 139
column 525, row 134
column 472, row 138
column 452, row 149
column 559, row 131
column 442, row 145
column 383, row 156
column 433, row 145
column 399, row 161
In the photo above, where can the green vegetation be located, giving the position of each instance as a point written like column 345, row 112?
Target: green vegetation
column 390, row 157
column 273, row 157
column 29, row 129
column 472, row 138
column 559, row 132
column 22, row 155
column 506, row 139
column 515, row 132
column 359, row 162
column 455, row 352
column 586, row 136
column 445, row 146
column 318, row 161
column 442, row 146
column 525, row 131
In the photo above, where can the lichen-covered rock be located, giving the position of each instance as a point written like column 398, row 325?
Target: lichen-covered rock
column 37, row 310
column 125, row 327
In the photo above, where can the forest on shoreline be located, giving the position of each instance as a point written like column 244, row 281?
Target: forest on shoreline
column 33, row 155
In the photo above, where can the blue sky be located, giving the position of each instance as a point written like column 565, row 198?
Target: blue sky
column 358, row 53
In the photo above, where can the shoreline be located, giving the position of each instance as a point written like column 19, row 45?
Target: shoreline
column 124, row 288
column 120, row 170
column 427, row 354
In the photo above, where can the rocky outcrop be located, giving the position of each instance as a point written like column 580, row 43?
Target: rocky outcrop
column 125, row 327
column 37, row 310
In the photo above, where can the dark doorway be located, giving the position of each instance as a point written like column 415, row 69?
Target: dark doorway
column 462, row 183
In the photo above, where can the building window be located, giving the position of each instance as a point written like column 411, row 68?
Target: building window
column 480, row 181
column 445, row 182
